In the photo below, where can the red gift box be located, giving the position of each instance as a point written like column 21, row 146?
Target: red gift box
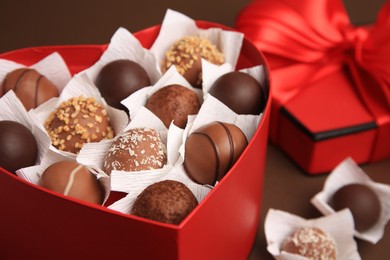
column 331, row 80
column 39, row 224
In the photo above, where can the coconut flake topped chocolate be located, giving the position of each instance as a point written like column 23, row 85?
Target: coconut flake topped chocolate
column 77, row 121
column 136, row 150
column 186, row 55
column 311, row 242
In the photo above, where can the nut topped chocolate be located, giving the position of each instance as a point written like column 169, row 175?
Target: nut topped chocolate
column 186, row 55
column 136, row 150
column 312, row 243
column 77, row 121
column 31, row 87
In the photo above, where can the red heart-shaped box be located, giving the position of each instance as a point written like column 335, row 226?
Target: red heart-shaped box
column 38, row 224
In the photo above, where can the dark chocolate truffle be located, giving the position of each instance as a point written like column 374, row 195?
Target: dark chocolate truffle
column 240, row 92
column 211, row 151
column 363, row 203
column 186, row 55
column 30, row 87
column 136, row 150
column 74, row 180
column 311, row 242
column 165, row 201
column 174, row 102
column 18, row 147
column 77, row 121
column 119, row 79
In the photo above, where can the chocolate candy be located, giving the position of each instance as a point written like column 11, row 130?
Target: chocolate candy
column 119, row 79
column 77, row 121
column 74, row 180
column 174, row 102
column 311, row 242
column 363, row 203
column 165, row 201
column 136, row 150
column 211, row 151
column 18, row 147
column 240, row 92
column 30, row 87
column 186, row 55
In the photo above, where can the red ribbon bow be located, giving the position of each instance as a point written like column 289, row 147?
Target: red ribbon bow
column 305, row 40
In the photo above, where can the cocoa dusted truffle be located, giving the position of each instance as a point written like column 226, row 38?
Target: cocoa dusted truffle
column 174, row 102
column 165, row 201
column 186, row 55
column 74, row 180
column 119, row 79
column 211, row 151
column 136, row 150
column 363, row 203
column 77, row 121
column 240, row 92
column 18, row 147
column 31, row 87
column 311, row 242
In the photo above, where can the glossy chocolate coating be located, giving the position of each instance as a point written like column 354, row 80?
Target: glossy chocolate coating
column 30, row 87
column 136, row 150
column 165, row 201
column 77, row 121
column 363, row 203
column 174, row 102
column 240, row 92
column 119, row 79
column 18, row 147
column 211, row 151
column 74, row 180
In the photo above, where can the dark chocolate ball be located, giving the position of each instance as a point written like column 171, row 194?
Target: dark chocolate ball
column 363, row 203
column 119, row 79
column 18, row 147
column 240, row 92
column 174, row 102
column 137, row 149
column 77, row 121
column 165, row 201
column 74, row 180
column 186, row 55
column 211, row 151
column 30, row 87
column 311, row 242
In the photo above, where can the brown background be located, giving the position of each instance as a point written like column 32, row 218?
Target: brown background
column 45, row 22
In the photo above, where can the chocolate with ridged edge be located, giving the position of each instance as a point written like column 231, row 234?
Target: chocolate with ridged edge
column 166, row 201
column 18, row 146
column 31, row 87
column 211, row 151
column 240, row 92
column 119, row 79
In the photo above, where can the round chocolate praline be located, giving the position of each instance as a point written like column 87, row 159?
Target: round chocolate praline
column 174, row 103
column 211, row 151
column 166, row 201
column 119, row 79
column 363, row 203
column 18, row 146
column 31, row 87
column 240, row 92
column 74, row 180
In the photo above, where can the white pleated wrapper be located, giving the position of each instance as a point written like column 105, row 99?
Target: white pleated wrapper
column 13, row 110
column 79, row 85
column 124, row 45
column 177, row 25
column 348, row 172
column 279, row 225
column 52, row 67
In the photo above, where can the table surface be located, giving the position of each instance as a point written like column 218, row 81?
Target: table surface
column 44, row 22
